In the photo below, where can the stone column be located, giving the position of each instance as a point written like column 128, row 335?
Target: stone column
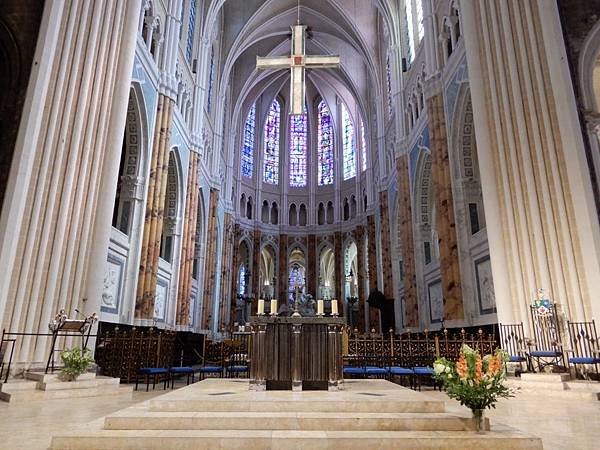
column 154, row 219
column 411, row 303
column 541, row 221
column 63, row 166
column 282, row 275
column 226, row 270
column 210, row 266
column 188, row 249
column 339, row 269
column 256, row 290
column 445, row 220
column 359, row 238
column 312, row 275
column 386, row 245
column 372, row 268
column 235, row 274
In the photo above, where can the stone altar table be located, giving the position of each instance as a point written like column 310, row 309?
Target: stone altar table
column 296, row 353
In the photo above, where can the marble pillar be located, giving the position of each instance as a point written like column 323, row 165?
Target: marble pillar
column 445, row 219
column 226, row 271
column 312, row 275
column 256, row 290
column 372, row 270
column 210, row 265
column 405, row 222
column 281, row 293
column 541, row 220
column 340, row 276
column 359, row 238
column 188, row 249
column 235, row 273
column 386, row 245
column 60, row 191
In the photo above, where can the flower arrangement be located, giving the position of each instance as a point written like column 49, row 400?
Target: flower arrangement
column 76, row 362
column 475, row 382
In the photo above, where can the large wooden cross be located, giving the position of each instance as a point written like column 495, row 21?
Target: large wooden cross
column 297, row 62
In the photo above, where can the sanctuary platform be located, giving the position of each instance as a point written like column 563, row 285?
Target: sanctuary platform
column 226, row 414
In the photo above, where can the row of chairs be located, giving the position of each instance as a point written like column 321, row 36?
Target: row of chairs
column 390, row 368
column 548, row 347
column 168, row 374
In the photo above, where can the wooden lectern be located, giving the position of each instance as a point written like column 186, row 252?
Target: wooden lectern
column 296, row 353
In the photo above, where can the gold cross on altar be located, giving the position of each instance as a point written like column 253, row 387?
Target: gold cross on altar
column 297, row 62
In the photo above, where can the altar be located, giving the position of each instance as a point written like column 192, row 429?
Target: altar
column 297, row 353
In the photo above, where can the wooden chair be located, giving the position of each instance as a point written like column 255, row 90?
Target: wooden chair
column 212, row 360
column 584, row 345
column 236, row 359
column 514, row 342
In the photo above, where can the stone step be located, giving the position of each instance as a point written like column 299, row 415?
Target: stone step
column 55, row 377
column 78, row 384
column 239, row 405
column 18, row 385
column 546, row 377
column 132, row 419
column 39, row 395
column 290, row 439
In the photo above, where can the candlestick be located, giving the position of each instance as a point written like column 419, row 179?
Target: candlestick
column 261, row 307
column 320, row 308
column 274, row 307
column 334, row 307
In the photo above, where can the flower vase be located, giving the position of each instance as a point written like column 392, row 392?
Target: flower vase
column 479, row 421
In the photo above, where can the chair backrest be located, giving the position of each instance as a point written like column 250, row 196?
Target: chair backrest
column 547, row 336
column 3, row 350
column 584, row 339
column 512, row 338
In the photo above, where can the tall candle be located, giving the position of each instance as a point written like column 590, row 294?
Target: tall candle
column 334, row 307
column 261, row 306
column 273, row 306
column 320, row 308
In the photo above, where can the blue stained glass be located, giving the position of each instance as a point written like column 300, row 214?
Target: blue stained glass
column 242, row 284
column 271, row 172
column 298, row 137
column 248, row 148
column 325, row 145
column 190, row 34
column 348, row 144
column 363, row 145
column 297, row 278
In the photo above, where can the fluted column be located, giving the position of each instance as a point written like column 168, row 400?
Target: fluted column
column 542, row 225
column 445, row 220
column 359, row 238
column 372, row 270
column 226, row 270
column 210, row 267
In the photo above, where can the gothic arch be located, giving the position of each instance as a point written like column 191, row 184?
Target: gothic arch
column 589, row 70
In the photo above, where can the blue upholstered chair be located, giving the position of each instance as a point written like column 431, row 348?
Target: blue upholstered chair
column 547, row 345
column 514, row 342
column 153, row 372
column 585, row 348
column 183, row 370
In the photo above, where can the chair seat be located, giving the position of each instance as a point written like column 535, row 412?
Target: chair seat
column 210, row 369
column 371, row 370
column 354, row 370
column 152, row 370
column 182, row 369
column 237, row 368
column 396, row 370
column 423, row 371
column 545, row 353
column 584, row 360
column 517, row 358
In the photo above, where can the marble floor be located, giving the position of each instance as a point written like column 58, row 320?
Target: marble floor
column 561, row 423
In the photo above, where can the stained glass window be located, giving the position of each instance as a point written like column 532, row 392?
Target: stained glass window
column 248, row 148
column 419, row 14
column 325, row 145
column 211, row 78
column 189, row 47
column 409, row 30
column 348, row 144
column 298, row 138
column 363, row 145
column 271, row 172
column 242, row 284
column 297, row 278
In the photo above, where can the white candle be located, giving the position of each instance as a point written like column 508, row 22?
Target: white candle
column 274, row 306
column 334, row 307
column 261, row 306
column 320, row 308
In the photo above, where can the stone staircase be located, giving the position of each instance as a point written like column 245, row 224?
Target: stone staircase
column 41, row 386
column 557, row 385
column 224, row 414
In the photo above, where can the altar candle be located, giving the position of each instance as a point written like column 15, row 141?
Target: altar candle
column 261, row 306
column 320, row 308
column 274, row 306
column 334, row 307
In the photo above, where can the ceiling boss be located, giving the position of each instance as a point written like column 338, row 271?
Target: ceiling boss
column 297, row 62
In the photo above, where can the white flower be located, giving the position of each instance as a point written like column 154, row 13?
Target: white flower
column 447, row 369
column 439, row 368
